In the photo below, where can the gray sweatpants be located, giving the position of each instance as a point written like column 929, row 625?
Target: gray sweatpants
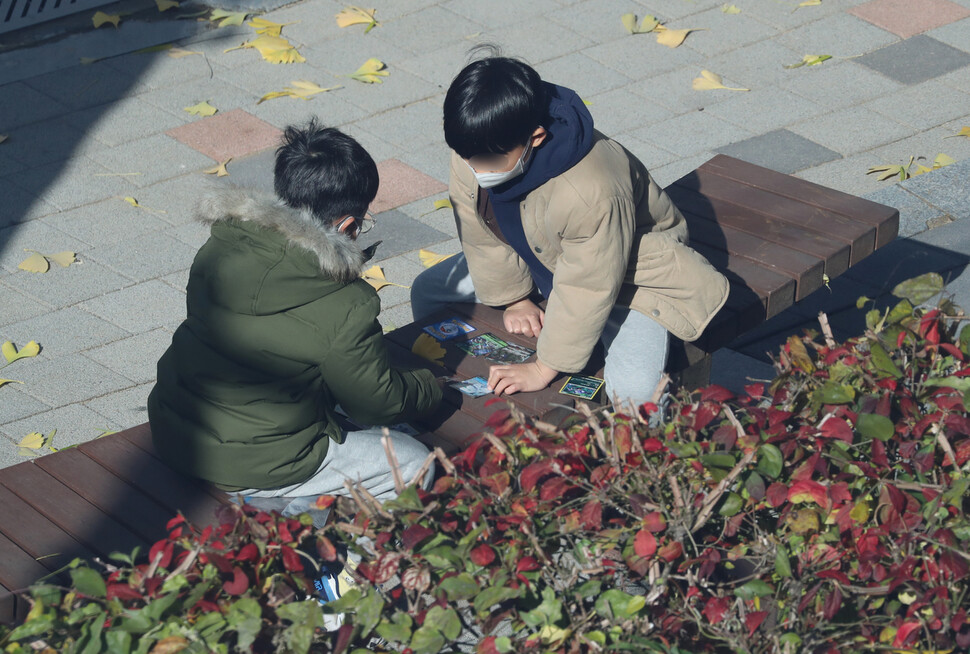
column 635, row 345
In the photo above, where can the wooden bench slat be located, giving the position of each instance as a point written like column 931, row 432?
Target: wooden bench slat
column 450, row 429
column 809, row 217
column 12, row 609
column 132, row 508
column 884, row 218
column 807, row 270
column 776, row 290
column 724, row 214
column 50, row 545
column 18, row 570
column 145, row 472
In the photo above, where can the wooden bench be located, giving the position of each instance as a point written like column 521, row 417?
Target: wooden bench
column 774, row 236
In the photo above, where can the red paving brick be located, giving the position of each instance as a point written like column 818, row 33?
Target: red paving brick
column 906, row 18
column 401, row 184
column 233, row 134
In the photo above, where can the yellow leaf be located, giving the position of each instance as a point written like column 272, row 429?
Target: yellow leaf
column 356, row 16
column 887, row 171
column 226, row 18
column 201, row 109
column 371, row 72
column 426, row 347
column 165, row 5
column 35, row 263
column 730, row 9
column 375, row 277
column 178, row 53
column 219, row 170
column 963, row 132
column 429, row 258
column 263, row 26
column 9, row 381
column 438, row 204
column 810, row 60
column 648, row 24
column 807, row 3
column 132, row 201
column 63, row 259
column 11, row 354
column 299, row 89
column 100, row 18
column 274, row 49
column 709, row 81
column 672, row 38
column 34, row 440
column 943, row 160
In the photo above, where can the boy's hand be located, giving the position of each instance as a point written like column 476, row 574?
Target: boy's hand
column 520, row 377
column 523, row 317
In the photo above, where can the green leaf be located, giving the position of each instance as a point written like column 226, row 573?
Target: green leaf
column 134, row 622
column 427, row 640
column 157, row 607
column 718, row 460
column 347, row 602
column 861, row 301
column 461, row 586
column 88, row 582
column 782, row 564
column 444, row 620
column 731, row 505
column 494, row 595
column 118, row 642
column 369, row 612
column 93, row 645
column 398, row 629
column 882, row 361
column 245, row 618
column 504, row 644
column 614, row 603
column 32, row 628
column 754, row 588
column 589, row 588
column 406, row 501
column 770, row 461
column 920, row 289
column 900, row 312
column 872, row 425
column 833, row 393
column 965, row 339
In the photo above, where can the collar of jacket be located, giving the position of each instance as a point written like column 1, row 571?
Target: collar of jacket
column 340, row 257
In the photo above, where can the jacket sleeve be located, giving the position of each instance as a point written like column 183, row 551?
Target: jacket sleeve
column 589, row 273
column 499, row 275
column 357, row 371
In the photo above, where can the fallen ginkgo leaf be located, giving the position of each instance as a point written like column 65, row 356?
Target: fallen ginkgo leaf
column 33, row 440
column 100, row 18
column 426, row 347
column 178, row 53
column 963, row 132
column 673, row 38
column 63, row 259
column 372, row 72
column 438, row 205
column 940, row 161
column 709, row 81
column 4, row 382
column 133, row 202
column 429, row 258
column 11, row 353
column 165, row 5
column 648, row 24
column 375, row 277
column 218, row 170
column 810, row 60
column 730, row 9
column 263, row 26
column 300, row 89
column 40, row 263
column 201, row 109
column 356, row 16
column 274, row 49
column 227, row 18
column 892, row 170
column 807, row 3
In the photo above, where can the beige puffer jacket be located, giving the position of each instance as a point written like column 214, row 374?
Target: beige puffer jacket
column 610, row 235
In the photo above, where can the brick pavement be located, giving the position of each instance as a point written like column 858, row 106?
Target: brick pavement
column 82, row 137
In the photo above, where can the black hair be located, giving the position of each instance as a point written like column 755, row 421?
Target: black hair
column 493, row 106
column 323, row 170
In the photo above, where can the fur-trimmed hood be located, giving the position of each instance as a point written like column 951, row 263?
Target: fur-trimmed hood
column 340, row 257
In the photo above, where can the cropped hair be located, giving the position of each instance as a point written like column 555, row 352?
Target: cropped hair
column 323, row 170
column 493, row 106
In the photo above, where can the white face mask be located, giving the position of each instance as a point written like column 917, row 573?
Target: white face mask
column 488, row 180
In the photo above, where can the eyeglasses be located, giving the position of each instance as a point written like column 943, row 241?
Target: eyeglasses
column 361, row 225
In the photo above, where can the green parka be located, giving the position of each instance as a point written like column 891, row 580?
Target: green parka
column 280, row 329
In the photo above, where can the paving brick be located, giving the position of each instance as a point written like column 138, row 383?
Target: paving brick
column 157, row 157
column 925, row 105
column 622, row 110
column 442, row 220
column 642, row 54
column 946, row 237
column 253, row 172
column 126, row 120
column 958, row 79
column 232, row 134
column 439, row 64
column 734, row 370
column 21, row 105
column 8, row 452
column 400, row 270
column 82, row 86
column 670, row 173
column 945, row 188
column 341, row 56
column 178, row 196
column 145, row 257
column 780, row 150
column 905, row 18
column 179, row 280
column 691, row 133
column 74, row 182
column 925, row 146
column 765, row 109
column 401, row 184
column 759, row 64
column 598, row 19
column 33, row 235
column 154, row 71
column 221, row 94
column 75, row 424
column 537, row 41
column 126, row 409
column 61, row 287
column 17, row 404
column 140, row 308
column 410, row 127
column 17, row 306
column 68, row 379
column 134, row 358
column 432, row 160
column 47, row 142
column 501, row 12
column 394, row 317
column 193, row 234
column 838, row 35
column 399, row 88
column 414, row 31
column 787, row 15
column 19, row 204
column 672, row 9
column 674, row 90
column 584, row 75
column 956, row 34
column 214, row 43
column 852, row 130
column 914, row 213
column 63, row 332
column 8, row 165
column 106, row 222
column 847, row 175
column 839, row 84
column 400, row 233
column 642, row 147
column 723, row 32
column 915, row 60
column 901, row 260
column 329, row 109
column 313, row 21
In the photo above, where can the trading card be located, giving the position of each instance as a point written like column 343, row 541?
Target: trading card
column 584, row 387
column 448, row 329
column 511, row 353
column 474, row 387
column 482, row 345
